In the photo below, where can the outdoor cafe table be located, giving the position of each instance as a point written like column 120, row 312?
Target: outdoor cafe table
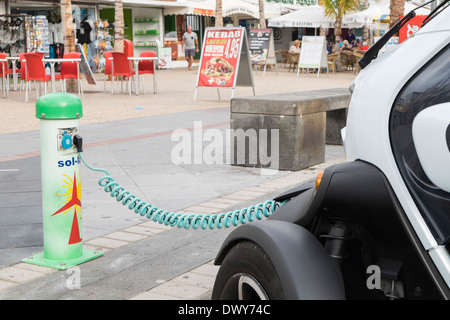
column 59, row 60
column 4, row 76
column 13, row 62
column 136, row 67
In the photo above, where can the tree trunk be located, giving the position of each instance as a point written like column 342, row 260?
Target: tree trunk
column 365, row 30
column 338, row 31
column 118, row 26
column 68, row 31
column 262, row 17
column 219, row 17
column 397, row 7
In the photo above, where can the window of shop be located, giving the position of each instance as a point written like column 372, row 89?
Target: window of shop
column 44, row 29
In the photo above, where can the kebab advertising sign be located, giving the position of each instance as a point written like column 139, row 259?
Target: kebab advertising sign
column 220, row 57
column 225, row 61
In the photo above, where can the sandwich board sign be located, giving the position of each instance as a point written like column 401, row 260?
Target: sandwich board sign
column 313, row 54
column 262, row 48
column 225, row 60
column 84, row 66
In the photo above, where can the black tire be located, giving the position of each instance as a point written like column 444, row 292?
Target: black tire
column 247, row 267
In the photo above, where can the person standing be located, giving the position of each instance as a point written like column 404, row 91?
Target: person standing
column 190, row 44
column 351, row 37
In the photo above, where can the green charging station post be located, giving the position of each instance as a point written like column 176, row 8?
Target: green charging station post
column 59, row 115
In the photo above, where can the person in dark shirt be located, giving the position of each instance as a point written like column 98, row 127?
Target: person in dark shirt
column 351, row 37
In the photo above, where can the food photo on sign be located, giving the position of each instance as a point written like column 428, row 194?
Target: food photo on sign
column 220, row 57
column 218, row 69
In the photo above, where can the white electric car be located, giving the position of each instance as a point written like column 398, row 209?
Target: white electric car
column 377, row 226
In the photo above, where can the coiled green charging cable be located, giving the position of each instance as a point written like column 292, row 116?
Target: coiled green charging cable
column 183, row 220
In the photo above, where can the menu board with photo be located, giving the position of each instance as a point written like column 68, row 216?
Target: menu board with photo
column 259, row 40
column 225, row 59
column 221, row 50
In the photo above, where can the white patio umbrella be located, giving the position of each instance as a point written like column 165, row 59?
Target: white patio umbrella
column 380, row 11
column 305, row 17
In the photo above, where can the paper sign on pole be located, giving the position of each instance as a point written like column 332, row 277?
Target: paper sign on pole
column 225, row 60
column 313, row 54
column 165, row 58
column 262, row 49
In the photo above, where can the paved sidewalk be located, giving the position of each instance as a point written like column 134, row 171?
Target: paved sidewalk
column 142, row 259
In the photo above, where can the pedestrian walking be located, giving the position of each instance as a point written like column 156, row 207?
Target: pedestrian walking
column 190, row 44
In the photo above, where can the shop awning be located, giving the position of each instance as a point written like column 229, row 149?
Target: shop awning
column 202, row 8
column 229, row 8
column 140, row 3
column 250, row 8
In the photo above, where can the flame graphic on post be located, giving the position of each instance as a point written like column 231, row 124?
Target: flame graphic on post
column 73, row 200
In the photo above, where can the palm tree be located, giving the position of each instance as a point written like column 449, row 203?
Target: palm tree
column 262, row 18
column 67, row 26
column 118, row 26
column 365, row 29
column 397, row 7
column 219, row 17
column 337, row 9
column 69, row 37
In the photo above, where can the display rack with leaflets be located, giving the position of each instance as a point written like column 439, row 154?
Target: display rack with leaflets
column 37, row 34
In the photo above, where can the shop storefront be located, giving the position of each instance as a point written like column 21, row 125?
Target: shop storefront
column 201, row 14
column 176, row 21
column 43, row 29
column 93, row 22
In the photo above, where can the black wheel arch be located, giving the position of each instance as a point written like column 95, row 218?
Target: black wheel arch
column 305, row 269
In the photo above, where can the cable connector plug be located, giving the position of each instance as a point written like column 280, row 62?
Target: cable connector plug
column 78, row 142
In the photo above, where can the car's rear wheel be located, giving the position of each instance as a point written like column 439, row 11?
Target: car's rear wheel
column 247, row 273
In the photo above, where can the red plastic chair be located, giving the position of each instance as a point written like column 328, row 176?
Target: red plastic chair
column 147, row 67
column 121, row 67
column 108, row 67
column 70, row 70
column 128, row 48
column 5, row 71
column 35, row 71
column 23, row 68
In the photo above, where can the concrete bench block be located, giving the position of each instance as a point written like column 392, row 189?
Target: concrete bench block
column 299, row 143
column 303, row 123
